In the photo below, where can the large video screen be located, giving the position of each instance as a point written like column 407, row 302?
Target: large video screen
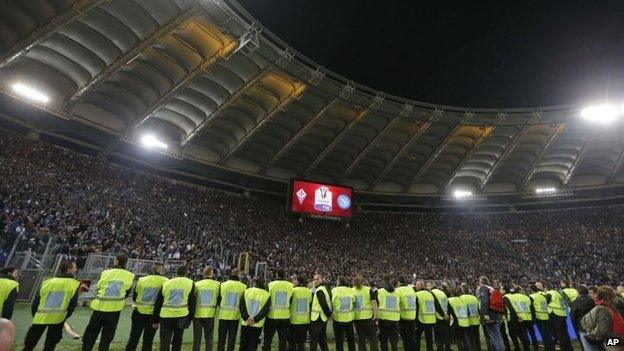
column 320, row 200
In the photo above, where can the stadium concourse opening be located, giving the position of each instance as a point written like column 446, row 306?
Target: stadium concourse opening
column 174, row 175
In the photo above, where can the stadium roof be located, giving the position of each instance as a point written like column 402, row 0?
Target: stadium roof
column 238, row 106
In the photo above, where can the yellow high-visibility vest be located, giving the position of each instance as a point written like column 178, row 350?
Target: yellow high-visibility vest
column 300, row 306
column 317, row 311
column 389, row 309
column 207, row 292
column 175, row 297
column 281, row 293
column 6, row 286
column 522, row 305
column 362, row 307
column 111, row 290
column 55, row 295
column 442, row 299
column 342, row 304
column 461, row 311
column 472, row 304
column 540, row 305
column 426, row 307
column 407, row 302
column 255, row 298
column 231, row 293
column 556, row 304
column 146, row 290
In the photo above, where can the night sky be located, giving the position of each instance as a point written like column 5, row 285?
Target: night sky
column 478, row 53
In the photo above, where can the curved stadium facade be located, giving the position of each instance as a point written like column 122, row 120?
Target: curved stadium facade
column 242, row 111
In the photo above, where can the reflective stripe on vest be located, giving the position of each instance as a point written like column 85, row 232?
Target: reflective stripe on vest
column 362, row 308
column 556, row 305
column 206, row 292
column 146, row 290
column 461, row 311
column 231, row 293
column 300, row 306
column 111, row 290
column 472, row 304
column 255, row 299
column 426, row 307
column 540, row 306
column 317, row 311
column 176, row 293
column 407, row 302
column 342, row 304
column 55, row 295
column 281, row 293
column 389, row 309
column 442, row 299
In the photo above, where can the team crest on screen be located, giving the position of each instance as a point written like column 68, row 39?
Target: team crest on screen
column 323, row 199
column 344, row 201
column 301, row 195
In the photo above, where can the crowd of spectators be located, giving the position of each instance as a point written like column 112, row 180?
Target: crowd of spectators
column 87, row 206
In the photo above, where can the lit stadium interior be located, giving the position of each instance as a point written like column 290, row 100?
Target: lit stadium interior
column 185, row 132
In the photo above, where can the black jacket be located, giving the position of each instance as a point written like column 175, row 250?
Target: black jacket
column 580, row 307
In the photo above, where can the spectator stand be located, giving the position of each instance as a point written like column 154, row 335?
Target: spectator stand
column 34, row 269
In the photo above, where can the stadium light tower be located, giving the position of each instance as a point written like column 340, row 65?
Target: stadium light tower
column 150, row 141
column 546, row 190
column 603, row 113
column 462, row 194
column 30, row 93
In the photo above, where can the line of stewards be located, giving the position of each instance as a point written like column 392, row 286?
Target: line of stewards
column 174, row 308
column 278, row 320
column 113, row 288
column 54, row 303
column 254, row 307
column 365, row 313
column 9, row 287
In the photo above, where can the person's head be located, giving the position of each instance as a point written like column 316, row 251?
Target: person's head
column 120, row 260
column 208, row 272
column 342, row 281
column 605, row 295
column 280, row 273
column 318, row 279
column 357, row 280
column 518, row 289
column 620, row 289
column 582, row 290
column 158, row 268
column 402, row 280
column 301, row 280
column 182, row 271
column 465, row 289
column 68, row 267
column 11, row 270
column 235, row 273
column 547, row 286
column 431, row 284
column 564, row 283
column 419, row 285
column 506, row 289
column 592, row 291
column 258, row 282
column 7, row 334
column 483, row 280
column 533, row 288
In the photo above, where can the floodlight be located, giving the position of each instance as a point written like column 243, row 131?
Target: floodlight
column 545, row 190
column 462, row 194
column 604, row 113
column 30, row 92
column 152, row 142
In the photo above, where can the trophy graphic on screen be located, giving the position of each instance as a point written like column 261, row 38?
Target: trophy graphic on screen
column 323, row 199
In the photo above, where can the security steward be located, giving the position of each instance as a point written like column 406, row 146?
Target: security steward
column 343, row 299
column 558, row 314
column 54, row 303
column 231, row 292
column 299, row 314
column 365, row 313
column 8, row 291
column 472, row 304
column 144, row 297
column 389, row 315
column 175, row 306
column 522, row 306
column 460, row 326
column 320, row 313
column 427, row 306
column 407, row 305
column 442, row 327
column 539, row 311
column 254, row 307
column 568, row 292
column 512, row 317
column 279, row 315
column 207, row 299
column 112, row 289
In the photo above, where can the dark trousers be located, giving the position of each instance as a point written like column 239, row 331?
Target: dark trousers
column 462, row 339
column 142, row 324
column 473, row 335
column 171, row 333
column 318, row 335
column 297, row 335
column 561, row 331
column 547, row 336
column 106, row 322
column 250, row 338
column 202, row 327
column 505, row 336
column 227, row 331
column 365, row 330
column 54, row 335
column 441, row 333
column 344, row 331
column 518, row 335
column 408, row 334
column 388, row 332
column 281, row 327
column 428, row 330
column 532, row 336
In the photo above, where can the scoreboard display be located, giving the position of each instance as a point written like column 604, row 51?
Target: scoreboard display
column 320, row 200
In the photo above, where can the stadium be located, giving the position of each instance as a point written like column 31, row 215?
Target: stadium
column 172, row 169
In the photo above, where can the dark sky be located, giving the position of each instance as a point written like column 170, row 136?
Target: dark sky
column 469, row 53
